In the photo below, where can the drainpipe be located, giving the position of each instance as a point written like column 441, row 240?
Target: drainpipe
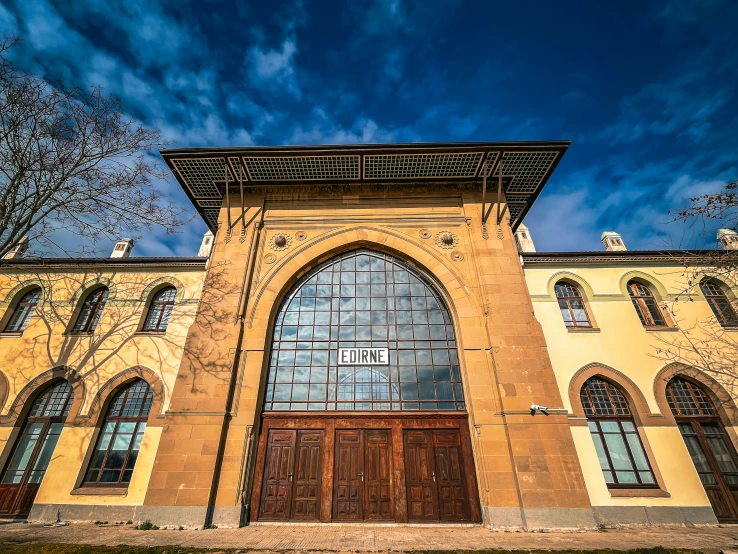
column 243, row 303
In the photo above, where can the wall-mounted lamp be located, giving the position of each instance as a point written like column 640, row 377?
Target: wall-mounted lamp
column 536, row 408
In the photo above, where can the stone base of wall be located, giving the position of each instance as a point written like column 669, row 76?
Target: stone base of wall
column 653, row 515
column 47, row 513
column 187, row 516
column 531, row 519
column 535, row 519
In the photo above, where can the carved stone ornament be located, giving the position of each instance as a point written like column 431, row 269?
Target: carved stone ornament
column 280, row 241
column 301, row 235
column 446, row 240
column 425, row 233
column 457, row 256
column 270, row 258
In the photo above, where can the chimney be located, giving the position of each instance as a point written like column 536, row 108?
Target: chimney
column 728, row 239
column 18, row 250
column 524, row 240
column 612, row 241
column 122, row 248
column 206, row 246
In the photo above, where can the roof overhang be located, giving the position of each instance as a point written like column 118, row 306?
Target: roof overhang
column 526, row 167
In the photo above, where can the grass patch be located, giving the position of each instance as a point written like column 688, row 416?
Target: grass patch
column 97, row 549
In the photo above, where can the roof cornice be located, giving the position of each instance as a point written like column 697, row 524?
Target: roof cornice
column 184, row 263
column 205, row 173
column 675, row 257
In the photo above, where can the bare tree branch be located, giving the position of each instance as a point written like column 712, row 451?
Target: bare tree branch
column 72, row 160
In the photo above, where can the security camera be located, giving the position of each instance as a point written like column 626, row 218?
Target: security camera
column 536, row 408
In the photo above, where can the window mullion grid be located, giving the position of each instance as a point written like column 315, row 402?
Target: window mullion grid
column 107, row 449
column 157, row 327
column 131, row 442
column 630, row 452
column 709, row 454
column 601, row 434
column 37, row 448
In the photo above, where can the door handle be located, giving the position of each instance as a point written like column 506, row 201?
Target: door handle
column 434, row 477
column 361, row 476
column 289, row 476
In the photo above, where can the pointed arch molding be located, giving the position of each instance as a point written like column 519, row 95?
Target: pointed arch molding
column 583, row 285
column 636, row 400
column 4, row 391
column 294, row 265
column 92, row 283
column 160, row 283
column 23, row 287
column 21, row 402
column 723, row 401
column 116, row 382
column 661, row 292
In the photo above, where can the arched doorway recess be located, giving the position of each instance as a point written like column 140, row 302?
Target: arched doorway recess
column 364, row 416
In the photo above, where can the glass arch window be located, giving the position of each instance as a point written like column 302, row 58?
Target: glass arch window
column 719, row 303
column 121, row 434
column 40, row 434
column 23, row 311
column 571, row 305
column 619, row 448
column 708, row 444
column 645, row 305
column 363, row 299
column 89, row 315
column 160, row 310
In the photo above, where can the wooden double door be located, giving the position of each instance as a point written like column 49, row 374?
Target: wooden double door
column 716, row 462
column 362, row 490
column 386, row 471
column 436, row 488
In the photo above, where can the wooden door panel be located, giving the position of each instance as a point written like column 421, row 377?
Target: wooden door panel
column 279, row 465
column 719, row 503
column 25, row 499
column 379, row 500
column 8, row 496
column 348, row 501
column 308, row 476
column 422, row 499
column 452, row 501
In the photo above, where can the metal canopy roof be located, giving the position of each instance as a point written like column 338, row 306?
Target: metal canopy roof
column 526, row 167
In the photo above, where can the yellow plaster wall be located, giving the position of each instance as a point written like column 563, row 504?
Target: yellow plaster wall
column 677, row 471
column 114, row 347
column 623, row 344
column 67, row 460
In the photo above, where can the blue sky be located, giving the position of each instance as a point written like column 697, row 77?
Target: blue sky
column 646, row 91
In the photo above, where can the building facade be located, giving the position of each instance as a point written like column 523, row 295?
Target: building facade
column 363, row 339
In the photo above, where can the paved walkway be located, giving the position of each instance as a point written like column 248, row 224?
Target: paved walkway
column 375, row 538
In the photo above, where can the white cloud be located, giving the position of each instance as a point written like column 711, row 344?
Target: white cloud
column 274, row 69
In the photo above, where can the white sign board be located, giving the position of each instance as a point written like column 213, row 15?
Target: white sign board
column 363, row 356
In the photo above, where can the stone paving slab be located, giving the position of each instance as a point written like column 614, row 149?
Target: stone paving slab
column 371, row 538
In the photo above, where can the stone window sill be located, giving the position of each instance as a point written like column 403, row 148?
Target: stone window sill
column 634, row 493
column 11, row 334
column 150, row 333
column 661, row 329
column 100, row 491
column 583, row 329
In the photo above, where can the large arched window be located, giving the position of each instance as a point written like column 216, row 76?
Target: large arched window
column 719, row 303
column 33, row 450
column 160, row 310
column 23, row 311
column 92, row 308
column 645, row 305
column 120, row 437
column 571, row 305
column 709, row 447
column 364, row 300
column 619, row 448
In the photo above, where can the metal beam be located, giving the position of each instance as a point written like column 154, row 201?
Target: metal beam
column 227, row 195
